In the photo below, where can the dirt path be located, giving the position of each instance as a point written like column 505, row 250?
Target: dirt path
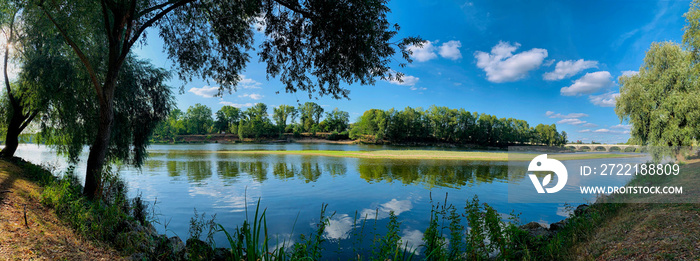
column 45, row 237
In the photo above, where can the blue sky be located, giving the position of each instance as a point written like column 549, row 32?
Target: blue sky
column 540, row 61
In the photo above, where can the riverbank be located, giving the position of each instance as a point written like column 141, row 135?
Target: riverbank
column 44, row 236
column 427, row 154
column 640, row 231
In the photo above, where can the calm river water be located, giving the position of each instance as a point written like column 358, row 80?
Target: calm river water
column 185, row 177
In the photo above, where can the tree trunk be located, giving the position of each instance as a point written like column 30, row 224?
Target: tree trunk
column 98, row 150
column 12, row 136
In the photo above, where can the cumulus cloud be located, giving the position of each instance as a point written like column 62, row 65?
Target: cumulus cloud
column 608, row 131
column 423, row 53
column 584, row 131
column 553, row 115
column 253, row 96
column 237, row 105
column 622, row 126
column 566, row 69
column 247, row 83
column 571, row 121
column 406, row 80
column 205, row 91
column 450, row 50
column 629, row 73
column 590, row 125
column 501, row 65
column 604, row 100
column 589, row 83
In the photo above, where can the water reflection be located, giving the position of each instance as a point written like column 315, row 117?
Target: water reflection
column 310, row 169
column 340, row 225
column 446, row 174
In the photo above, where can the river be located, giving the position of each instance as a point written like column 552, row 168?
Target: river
column 293, row 188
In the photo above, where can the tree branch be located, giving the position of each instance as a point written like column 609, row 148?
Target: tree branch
column 296, row 8
column 155, row 18
column 76, row 49
column 13, row 101
column 28, row 120
column 156, row 7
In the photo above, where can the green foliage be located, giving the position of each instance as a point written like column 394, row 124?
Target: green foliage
column 310, row 115
column 662, row 102
column 336, row 121
column 147, row 100
column 111, row 220
column 226, row 118
column 255, row 123
column 198, row 119
column 281, row 114
column 441, row 124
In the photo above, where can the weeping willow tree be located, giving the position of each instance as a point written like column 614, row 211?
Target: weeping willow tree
column 662, row 101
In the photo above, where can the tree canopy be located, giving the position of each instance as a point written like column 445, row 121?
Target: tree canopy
column 311, row 46
column 662, row 101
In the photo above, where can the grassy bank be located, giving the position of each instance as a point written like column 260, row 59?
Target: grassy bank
column 637, row 231
column 426, row 154
column 44, row 235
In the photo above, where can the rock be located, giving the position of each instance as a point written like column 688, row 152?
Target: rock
column 221, row 254
column 581, row 209
column 151, row 231
column 554, row 227
column 536, row 229
column 176, row 246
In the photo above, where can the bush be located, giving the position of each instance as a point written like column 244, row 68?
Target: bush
column 112, row 219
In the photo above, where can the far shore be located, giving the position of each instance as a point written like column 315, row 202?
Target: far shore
column 426, row 154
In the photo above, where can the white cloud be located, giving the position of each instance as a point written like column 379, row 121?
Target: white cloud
column 253, row 96
column 571, row 121
column 398, row 206
column 205, row 91
column 621, row 126
column 423, row 53
column 450, row 50
column 413, row 88
column 629, row 73
column 589, row 83
column 590, row 125
column 604, row 100
column 338, row 227
column 237, row 105
column 584, row 131
column 553, row 115
column 501, row 65
column 247, row 83
column 566, row 69
column 406, row 80
column 608, row 131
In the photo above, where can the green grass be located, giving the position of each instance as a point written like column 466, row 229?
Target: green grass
column 425, row 154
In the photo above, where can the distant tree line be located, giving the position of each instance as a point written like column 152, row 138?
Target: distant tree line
column 254, row 122
column 437, row 124
column 442, row 124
